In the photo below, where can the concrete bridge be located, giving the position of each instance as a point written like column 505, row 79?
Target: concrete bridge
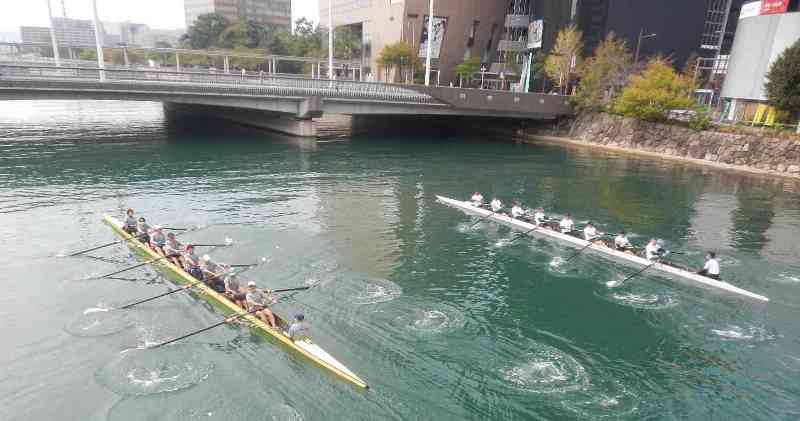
column 284, row 103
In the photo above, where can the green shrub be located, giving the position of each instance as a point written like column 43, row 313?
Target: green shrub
column 651, row 95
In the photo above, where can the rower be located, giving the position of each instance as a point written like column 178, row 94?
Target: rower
column 621, row 243
column 590, row 233
column 711, row 268
column 191, row 263
column 567, row 225
column 172, row 249
column 258, row 302
column 299, row 329
column 129, row 225
column 477, row 199
column 234, row 291
column 654, row 250
column 213, row 273
column 516, row 210
column 539, row 217
column 158, row 240
column 496, row 205
column 143, row 231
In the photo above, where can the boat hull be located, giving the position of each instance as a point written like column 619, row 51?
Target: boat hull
column 687, row 277
column 306, row 348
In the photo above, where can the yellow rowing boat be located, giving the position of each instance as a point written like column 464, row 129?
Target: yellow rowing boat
column 305, row 348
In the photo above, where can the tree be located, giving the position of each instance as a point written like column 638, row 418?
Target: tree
column 651, row 96
column 466, row 70
column 206, row 31
column 783, row 81
column 603, row 74
column 163, row 44
column 242, row 34
column 565, row 58
column 347, row 43
column 400, row 56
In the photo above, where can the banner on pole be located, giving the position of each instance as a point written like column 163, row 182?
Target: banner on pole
column 535, row 32
column 439, row 29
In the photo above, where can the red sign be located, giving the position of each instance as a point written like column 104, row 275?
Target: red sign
column 771, row 7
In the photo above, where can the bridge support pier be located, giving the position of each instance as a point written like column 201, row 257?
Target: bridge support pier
column 278, row 122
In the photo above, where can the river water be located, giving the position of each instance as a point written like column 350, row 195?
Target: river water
column 443, row 320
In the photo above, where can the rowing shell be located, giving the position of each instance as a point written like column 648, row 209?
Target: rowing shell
column 305, row 348
column 517, row 225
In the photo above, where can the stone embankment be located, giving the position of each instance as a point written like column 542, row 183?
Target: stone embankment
column 746, row 152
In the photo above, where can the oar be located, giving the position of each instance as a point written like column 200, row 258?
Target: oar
column 77, row 253
column 523, row 234
column 131, row 267
column 175, row 229
column 183, row 288
column 583, row 248
column 291, row 289
column 482, row 219
column 614, row 284
column 196, row 332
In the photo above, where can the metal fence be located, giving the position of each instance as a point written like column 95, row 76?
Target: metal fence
column 261, row 84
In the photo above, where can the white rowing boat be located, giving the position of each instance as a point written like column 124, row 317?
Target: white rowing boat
column 691, row 278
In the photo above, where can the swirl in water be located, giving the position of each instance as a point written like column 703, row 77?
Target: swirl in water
column 99, row 321
column 546, row 370
column 749, row 333
column 370, row 291
column 610, row 401
column 430, row 319
column 151, row 371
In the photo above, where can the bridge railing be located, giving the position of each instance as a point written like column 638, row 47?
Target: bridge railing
column 213, row 82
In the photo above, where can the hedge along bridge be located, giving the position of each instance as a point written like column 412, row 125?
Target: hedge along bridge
column 279, row 102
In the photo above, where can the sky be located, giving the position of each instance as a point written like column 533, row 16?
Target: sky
column 162, row 14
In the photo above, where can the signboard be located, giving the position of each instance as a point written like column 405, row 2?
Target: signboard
column 535, row 32
column 771, row 7
column 439, row 28
column 750, row 10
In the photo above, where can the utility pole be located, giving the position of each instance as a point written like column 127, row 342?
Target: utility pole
column 430, row 44
column 330, row 40
column 639, row 44
column 99, row 44
column 56, row 56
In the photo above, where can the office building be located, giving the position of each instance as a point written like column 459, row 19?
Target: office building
column 70, row 33
column 268, row 12
column 35, row 34
column 138, row 35
column 765, row 30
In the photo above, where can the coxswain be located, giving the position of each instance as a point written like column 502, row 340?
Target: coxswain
column 172, row 249
column 590, row 233
column 130, row 223
column 299, row 329
column 213, row 273
column 621, row 243
column 516, row 210
column 477, row 199
column 258, row 302
column 143, row 231
column 567, row 225
column 711, row 268
column 653, row 251
column 158, row 240
column 234, row 291
column 496, row 205
column 539, row 217
column 191, row 263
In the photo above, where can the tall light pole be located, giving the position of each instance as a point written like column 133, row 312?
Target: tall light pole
column 330, row 39
column 100, row 61
column 56, row 56
column 430, row 44
column 639, row 44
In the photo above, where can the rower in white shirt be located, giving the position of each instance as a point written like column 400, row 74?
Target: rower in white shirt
column 539, row 217
column 653, row 251
column 711, row 268
column 496, row 205
column 477, row 199
column 516, row 211
column 621, row 243
column 567, row 225
column 590, row 232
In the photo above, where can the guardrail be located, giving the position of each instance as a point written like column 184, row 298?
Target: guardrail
column 263, row 84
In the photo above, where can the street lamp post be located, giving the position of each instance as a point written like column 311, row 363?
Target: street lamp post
column 483, row 73
column 430, row 44
column 639, row 44
column 56, row 56
column 330, row 40
column 98, row 43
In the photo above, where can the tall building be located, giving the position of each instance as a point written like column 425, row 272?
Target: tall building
column 69, row 33
column 269, row 12
column 139, row 35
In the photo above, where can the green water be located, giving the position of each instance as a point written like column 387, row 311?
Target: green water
column 444, row 321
